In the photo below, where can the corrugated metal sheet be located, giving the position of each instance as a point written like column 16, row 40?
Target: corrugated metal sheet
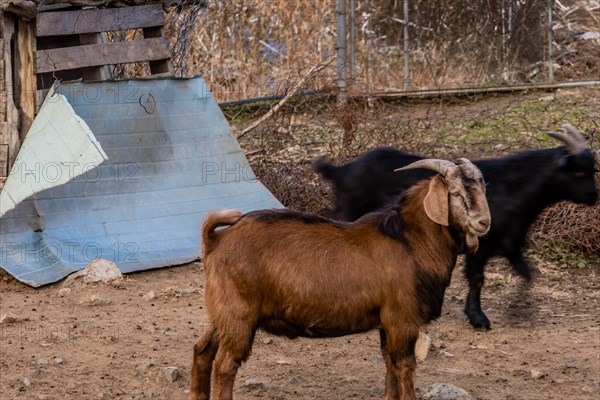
column 172, row 158
column 59, row 141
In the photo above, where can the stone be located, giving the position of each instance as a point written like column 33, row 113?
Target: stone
column 189, row 290
column 446, row 353
column 422, row 347
column 27, row 382
column 445, row 391
column 98, row 270
column 9, row 318
column 149, row 296
column 64, row 292
column 535, row 374
column 58, row 360
column 171, row 373
column 143, row 367
column 252, row 383
column 267, row 340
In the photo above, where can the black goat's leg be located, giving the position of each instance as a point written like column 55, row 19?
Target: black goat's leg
column 474, row 273
column 391, row 380
column 520, row 264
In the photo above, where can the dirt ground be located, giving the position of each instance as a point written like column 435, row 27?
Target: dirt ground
column 100, row 341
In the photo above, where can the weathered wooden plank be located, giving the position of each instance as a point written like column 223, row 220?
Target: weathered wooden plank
column 2, row 85
column 3, row 95
column 40, row 96
column 28, row 9
column 12, row 113
column 25, row 82
column 102, row 54
column 3, row 157
column 3, row 134
column 99, row 20
column 162, row 66
column 101, row 73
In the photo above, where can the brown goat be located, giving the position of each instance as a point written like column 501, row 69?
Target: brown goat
column 295, row 274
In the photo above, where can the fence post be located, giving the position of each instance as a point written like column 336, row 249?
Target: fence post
column 352, row 38
column 341, row 50
column 550, row 40
column 406, row 45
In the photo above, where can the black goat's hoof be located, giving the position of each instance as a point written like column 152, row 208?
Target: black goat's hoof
column 479, row 321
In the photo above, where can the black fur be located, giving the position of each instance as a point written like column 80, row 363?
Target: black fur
column 519, row 188
column 277, row 215
column 431, row 289
column 388, row 219
column 282, row 327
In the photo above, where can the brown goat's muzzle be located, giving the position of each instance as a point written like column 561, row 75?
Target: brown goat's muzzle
column 477, row 229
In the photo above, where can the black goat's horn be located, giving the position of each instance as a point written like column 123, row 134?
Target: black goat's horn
column 442, row 167
column 582, row 137
column 574, row 145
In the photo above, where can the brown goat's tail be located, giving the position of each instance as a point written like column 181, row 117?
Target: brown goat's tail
column 215, row 219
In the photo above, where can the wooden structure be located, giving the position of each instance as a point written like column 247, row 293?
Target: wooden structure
column 46, row 40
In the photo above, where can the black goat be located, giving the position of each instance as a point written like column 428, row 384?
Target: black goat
column 520, row 187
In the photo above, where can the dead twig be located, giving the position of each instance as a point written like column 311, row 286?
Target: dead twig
column 313, row 70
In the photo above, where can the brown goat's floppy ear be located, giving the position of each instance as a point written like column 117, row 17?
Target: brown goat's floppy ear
column 436, row 201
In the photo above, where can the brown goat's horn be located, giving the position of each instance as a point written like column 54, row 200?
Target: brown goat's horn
column 472, row 168
column 463, row 160
column 442, row 167
column 574, row 146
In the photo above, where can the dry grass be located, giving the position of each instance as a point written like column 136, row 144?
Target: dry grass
column 248, row 49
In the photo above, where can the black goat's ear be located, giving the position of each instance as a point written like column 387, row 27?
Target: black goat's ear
column 563, row 161
column 436, row 201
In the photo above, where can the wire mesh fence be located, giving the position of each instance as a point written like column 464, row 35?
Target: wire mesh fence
column 252, row 49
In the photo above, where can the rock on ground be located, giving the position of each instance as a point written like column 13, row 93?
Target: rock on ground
column 252, row 383
column 9, row 318
column 98, row 270
column 422, row 347
column 171, row 373
column 445, row 391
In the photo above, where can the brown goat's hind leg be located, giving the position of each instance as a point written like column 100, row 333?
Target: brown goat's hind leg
column 391, row 381
column 232, row 352
column 205, row 351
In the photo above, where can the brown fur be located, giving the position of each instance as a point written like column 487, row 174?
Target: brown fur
column 213, row 221
column 295, row 275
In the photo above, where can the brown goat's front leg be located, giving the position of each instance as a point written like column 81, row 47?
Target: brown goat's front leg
column 401, row 349
column 408, row 365
column 205, row 351
column 391, row 382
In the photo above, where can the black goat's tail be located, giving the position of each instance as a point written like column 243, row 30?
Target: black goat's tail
column 326, row 169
